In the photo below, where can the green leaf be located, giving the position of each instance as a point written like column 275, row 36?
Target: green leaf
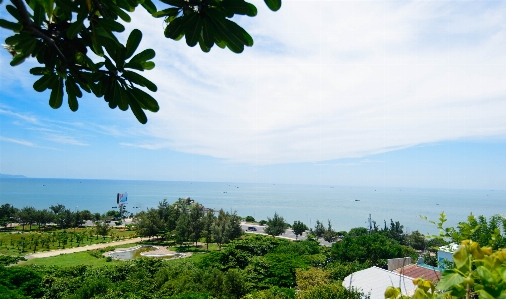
column 135, row 65
column 109, row 65
column 149, row 6
column 39, row 15
column 13, row 11
column 38, row 71
column 18, row 59
column 171, row 12
column 145, row 100
column 103, row 32
column 140, row 80
column 111, row 25
column 108, row 86
column 143, row 56
column 178, row 3
column 72, row 99
column 449, row 279
column 148, row 65
column 486, row 275
column 122, row 14
column 96, row 47
column 240, row 33
column 48, row 7
column 66, row 5
column 116, row 52
column 119, row 58
column 16, row 27
column 193, row 29
column 134, row 39
column 85, row 84
column 121, row 97
column 208, row 33
column 239, row 7
column 482, row 294
column 14, row 39
column 27, row 46
column 74, row 29
column 221, row 43
column 71, row 84
column 43, row 82
column 222, row 32
column 273, row 5
column 203, row 46
column 56, row 97
column 175, row 28
column 137, row 110
column 461, row 256
column 252, row 10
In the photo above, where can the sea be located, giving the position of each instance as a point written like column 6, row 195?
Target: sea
column 345, row 206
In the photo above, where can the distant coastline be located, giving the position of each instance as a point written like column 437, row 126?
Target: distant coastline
column 12, row 176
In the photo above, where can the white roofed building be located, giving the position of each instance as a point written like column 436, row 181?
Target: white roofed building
column 374, row 281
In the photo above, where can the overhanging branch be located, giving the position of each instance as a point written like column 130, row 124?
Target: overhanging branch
column 28, row 25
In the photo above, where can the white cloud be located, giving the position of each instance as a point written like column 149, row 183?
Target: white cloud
column 333, row 79
column 63, row 139
column 24, row 117
column 18, row 141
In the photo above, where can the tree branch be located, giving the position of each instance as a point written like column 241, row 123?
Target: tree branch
column 28, row 25
column 100, row 8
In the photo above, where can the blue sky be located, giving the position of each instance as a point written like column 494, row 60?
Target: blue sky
column 381, row 93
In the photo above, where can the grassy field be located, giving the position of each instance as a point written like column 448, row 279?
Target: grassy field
column 90, row 257
column 73, row 259
column 22, row 243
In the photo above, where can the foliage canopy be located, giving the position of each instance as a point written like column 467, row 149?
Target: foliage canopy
column 76, row 44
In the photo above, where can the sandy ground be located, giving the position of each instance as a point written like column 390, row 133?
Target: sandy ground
column 80, row 249
column 161, row 250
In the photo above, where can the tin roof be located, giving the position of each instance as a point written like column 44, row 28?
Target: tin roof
column 415, row 271
column 374, row 281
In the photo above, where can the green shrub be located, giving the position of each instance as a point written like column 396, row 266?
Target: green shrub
column 249, row 219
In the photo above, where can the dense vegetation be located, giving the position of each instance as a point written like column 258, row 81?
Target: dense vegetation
column 259, row 266
column 478, row 269
column 188, row 221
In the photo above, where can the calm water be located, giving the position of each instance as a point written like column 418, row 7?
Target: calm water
column 346, row 207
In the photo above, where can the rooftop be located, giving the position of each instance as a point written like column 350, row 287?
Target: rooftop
column 374, row 281
column 416, row 271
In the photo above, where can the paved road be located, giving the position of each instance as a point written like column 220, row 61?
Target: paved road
column 80, row 249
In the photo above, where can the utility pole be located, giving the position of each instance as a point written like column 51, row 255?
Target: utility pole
column 370, row 224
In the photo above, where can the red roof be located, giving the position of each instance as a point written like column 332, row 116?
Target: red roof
column 415, row 271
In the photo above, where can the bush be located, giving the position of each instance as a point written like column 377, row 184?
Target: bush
column 272, row 293
column 330, row 291
column 249, row 219
column 192, row 295
column 6, row 260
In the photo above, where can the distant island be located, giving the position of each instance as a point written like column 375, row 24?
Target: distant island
column 11, row 176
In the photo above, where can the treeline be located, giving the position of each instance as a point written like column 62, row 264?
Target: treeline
column 57, row 214
column 252, row 267
column 28, row 216
column 188, row 221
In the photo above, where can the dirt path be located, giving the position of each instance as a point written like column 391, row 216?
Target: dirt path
column 80, row 249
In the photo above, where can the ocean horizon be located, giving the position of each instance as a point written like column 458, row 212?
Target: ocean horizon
column 345, row 206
